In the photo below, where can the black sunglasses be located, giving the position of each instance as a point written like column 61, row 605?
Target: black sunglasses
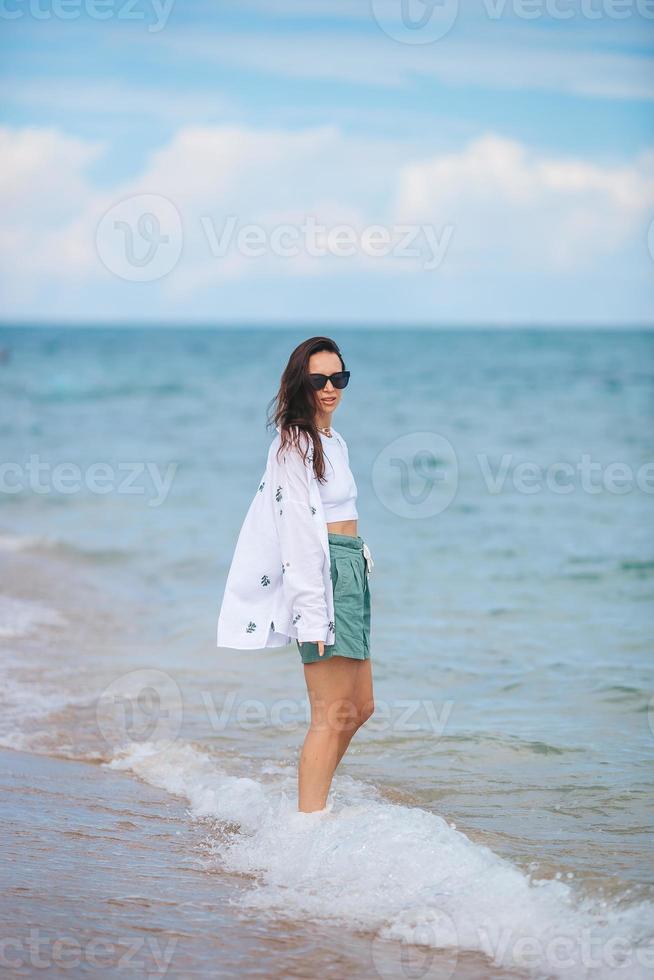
column 339, row 380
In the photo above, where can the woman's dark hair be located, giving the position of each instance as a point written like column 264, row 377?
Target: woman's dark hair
column 295, row 401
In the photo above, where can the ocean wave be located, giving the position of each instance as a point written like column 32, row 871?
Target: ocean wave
column 22, row 617
column 67, row 392
column 402, row 873
column 55, row 546
column 24, row 709
column 41, row 719
column 15, row 542
column 642, row 568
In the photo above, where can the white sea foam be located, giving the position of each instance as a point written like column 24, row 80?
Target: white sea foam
column 12, row 542
column 22, row 701
column 399, row 872
column 24, row 542
column 22, row 707
column 21, row 617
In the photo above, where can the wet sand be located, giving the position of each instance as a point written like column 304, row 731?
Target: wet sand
column 105, row 875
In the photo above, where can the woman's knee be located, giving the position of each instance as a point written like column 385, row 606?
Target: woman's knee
column 335, row 717
column 366, row 711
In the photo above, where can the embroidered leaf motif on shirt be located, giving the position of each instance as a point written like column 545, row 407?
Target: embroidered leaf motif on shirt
column 278, row 494
column 265, row 580
column 296, row 617
column 261, row 485
column 250, row 628
column 332, row 628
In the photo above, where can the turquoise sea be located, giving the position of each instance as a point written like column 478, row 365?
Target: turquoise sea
column 493, row 818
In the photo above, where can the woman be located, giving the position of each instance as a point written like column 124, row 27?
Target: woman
column 300, row 570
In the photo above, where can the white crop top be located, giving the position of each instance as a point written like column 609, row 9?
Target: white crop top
column 339, row 493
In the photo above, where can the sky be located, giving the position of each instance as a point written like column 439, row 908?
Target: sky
column 373, row 162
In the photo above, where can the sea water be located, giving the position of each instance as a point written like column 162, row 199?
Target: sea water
column 496, row 808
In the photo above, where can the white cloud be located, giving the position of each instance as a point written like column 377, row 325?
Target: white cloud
column 43, row 189
column 513, row 210
column 510, row 204
column 42, row 177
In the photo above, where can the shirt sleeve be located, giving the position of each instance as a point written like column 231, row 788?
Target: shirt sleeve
column 301, row 548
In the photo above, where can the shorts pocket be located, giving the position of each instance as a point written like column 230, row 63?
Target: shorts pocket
column 349, row 579
column 344, row 579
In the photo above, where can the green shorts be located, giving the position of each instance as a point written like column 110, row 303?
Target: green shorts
column 351, row 602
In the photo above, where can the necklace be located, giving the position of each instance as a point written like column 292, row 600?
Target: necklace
column 325, row 429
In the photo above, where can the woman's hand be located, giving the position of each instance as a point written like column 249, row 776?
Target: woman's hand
column 321, row 646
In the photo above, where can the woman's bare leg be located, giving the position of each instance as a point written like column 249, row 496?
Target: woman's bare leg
column 363, row 699
column 340, row 694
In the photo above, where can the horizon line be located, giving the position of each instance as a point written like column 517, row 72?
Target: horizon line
column 314, row 325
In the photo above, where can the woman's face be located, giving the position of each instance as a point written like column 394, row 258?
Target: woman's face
column 326, row 362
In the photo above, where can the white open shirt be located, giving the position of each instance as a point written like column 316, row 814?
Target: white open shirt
column 279, row 583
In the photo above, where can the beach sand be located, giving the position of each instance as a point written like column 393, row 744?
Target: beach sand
column 104, row 874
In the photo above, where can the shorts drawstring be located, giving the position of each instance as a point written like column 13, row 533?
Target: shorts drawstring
column 368, row 557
